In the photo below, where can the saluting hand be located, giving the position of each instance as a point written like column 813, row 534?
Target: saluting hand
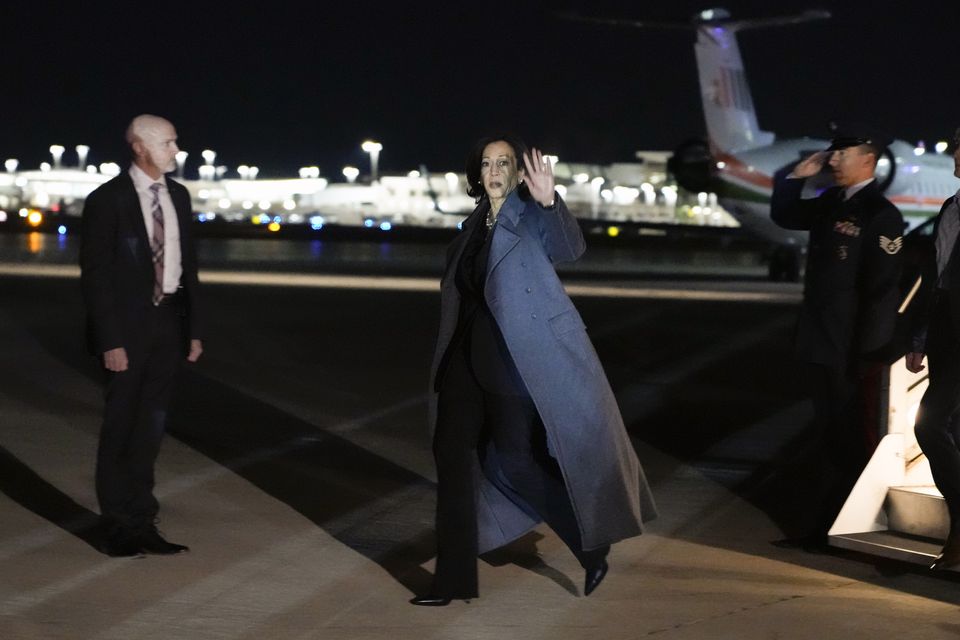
column 811, row 165
column 539, row 177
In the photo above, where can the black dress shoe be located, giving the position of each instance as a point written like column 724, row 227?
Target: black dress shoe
column 595, row 576
column 150, row 541
column 430, row 601
column 811, row 543
column 120, row 546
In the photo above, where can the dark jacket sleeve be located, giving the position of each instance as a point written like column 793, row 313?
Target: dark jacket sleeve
column 923, row 300
column 97, row 256
column 188, row 258
column 879, row 279
column 560, row 233
column 787, row 208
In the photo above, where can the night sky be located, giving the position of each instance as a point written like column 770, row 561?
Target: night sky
column 282, row 86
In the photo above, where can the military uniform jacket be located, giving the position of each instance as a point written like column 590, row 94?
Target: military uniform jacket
column 851, row 291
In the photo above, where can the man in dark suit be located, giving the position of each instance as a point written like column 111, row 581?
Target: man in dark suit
column 938, row 335
column 139, row 280
column 850, row 301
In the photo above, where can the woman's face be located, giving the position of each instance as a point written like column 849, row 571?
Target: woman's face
column 499, row 171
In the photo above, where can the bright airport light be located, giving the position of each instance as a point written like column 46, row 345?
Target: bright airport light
column 82, row 152
column 373, row 148
column 351, row 173
column 56, row 150
column 208, row 156
column 309, row 172
column 181, row 162
column 920, row 149
column 45, row 166
column 941, row 146
column 11, row 164
column 581, row 178
column 243, row 171
column 553, row 160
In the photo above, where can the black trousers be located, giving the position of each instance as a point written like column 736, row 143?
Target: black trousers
column 839, row 439
column 469, row 417
column 936, row 427
column 134, row 421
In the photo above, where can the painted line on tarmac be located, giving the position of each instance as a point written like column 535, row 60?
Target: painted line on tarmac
column 431, row 285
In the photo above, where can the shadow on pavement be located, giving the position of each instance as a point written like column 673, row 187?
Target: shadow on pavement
column 370, row 504
column 22, row 485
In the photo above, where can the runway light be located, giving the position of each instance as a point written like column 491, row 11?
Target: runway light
column 920, row 149
column 316, row 222
column 289, row 204
column 941, row 146
column 62, row 230
column 34, row 218
column 224, row 203
column 247, row 204
column 277, row 219
column 613, row 232
column 385, row 226
column 23, row 213
column 368, row 223
column 581, row 178
column 274, row 226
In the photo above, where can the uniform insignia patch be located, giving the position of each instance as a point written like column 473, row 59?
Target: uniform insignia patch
column 847, row 228
column 842, row 252
column 891, row 246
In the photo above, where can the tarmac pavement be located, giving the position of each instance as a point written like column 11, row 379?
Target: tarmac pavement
column 298, row 470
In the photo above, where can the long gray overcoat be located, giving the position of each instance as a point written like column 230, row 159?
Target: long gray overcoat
column 549, row 345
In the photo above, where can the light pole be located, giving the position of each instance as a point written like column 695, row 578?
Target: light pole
column 56, row 150
column 373, row 148
column 82, row 151
column 208, row 156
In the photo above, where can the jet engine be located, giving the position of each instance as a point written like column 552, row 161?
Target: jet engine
column 693, row 166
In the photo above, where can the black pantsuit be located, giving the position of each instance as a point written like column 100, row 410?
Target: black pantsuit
column 936, row 427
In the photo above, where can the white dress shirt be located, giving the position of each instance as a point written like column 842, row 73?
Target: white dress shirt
column 851, row 191
column 172, row 267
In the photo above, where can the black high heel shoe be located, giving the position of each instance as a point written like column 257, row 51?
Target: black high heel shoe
column 595, row 576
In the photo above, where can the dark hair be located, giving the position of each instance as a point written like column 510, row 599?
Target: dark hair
column 474, row 183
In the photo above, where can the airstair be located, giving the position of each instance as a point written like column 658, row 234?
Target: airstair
column 894, row 510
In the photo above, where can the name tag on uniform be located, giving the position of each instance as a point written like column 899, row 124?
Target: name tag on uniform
column 847, row 228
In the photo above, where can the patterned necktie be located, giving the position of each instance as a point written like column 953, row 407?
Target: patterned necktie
column 156, row 245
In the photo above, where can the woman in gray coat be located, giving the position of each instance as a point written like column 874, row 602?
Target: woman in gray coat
column 527, row 428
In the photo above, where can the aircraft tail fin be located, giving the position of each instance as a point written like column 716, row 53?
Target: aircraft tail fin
column 724, row 91
column 725, row 94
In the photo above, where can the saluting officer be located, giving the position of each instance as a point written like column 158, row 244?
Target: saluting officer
column 850, row 300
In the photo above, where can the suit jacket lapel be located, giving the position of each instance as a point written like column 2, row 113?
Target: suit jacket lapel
column 130, row 206
column 506, row 234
